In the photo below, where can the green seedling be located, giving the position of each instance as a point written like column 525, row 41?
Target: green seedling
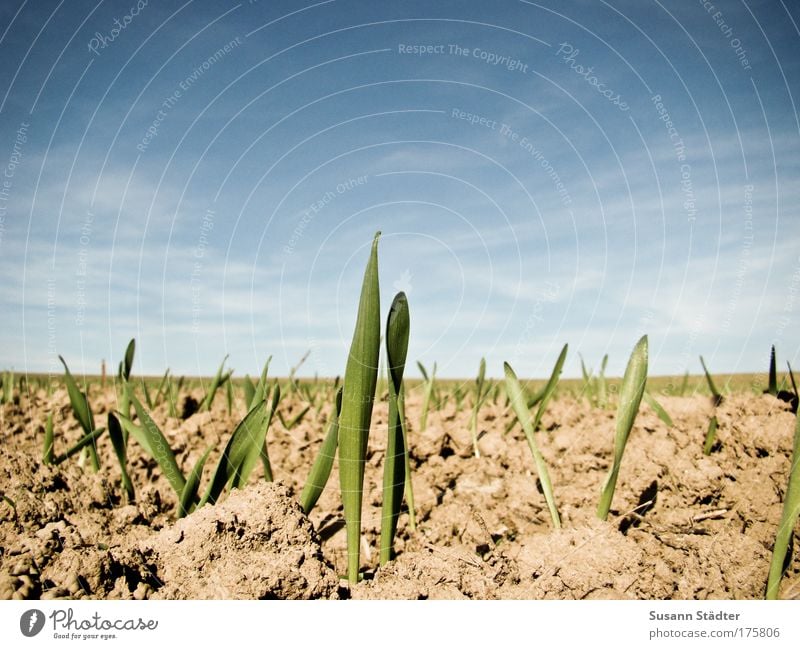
column 229, row 396
column 358, row 394
column 711, row 436
column 480, row 396
column 124, row 375
column 118, row 442
column 791, row 509
column 242, row 450
column 519, row 402
column 716, row 397
column 589, row 385
column 190, row 489
column 296, row 419
column 83, row 413
column 602, row 386
column 249, row 391
column 630, row 397
column 47, row 452
column 162, row 386
column 394, row 468
column 152, row 440
column 428, row 383
column 658, row 409
column 321, row 471
column 219, row 379
column 772, row 388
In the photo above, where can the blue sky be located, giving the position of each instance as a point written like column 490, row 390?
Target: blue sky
column 208, row 178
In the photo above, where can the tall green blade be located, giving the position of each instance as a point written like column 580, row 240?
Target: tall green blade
column 189, row 494
column 47, row 452
column 258, row 448
column 479, row 398
column 82, row 411
column 321, row 471
column 630, row 397
column 118, row 442
column 409, row 486
column 713, row 388
column 602, row 388
column 152, row 440
column 276, row 397
column 249, row 392
column 711, row 436
column 773, row 374
column 358, row 394
column 550, row 388
column 394, row 468
column 212, row 389
column 791, row 509
column 519, row 402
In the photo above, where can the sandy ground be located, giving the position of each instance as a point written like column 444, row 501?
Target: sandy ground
column 683, row 525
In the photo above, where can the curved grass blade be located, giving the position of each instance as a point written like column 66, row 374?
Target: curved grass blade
column 261, row 387
column 630, row 397
column 288, row 425
column 153, row 441
column 87, row 440
column 408, row 491
column 321, row 471
column 361, row 375
column 716, row 397
column 47, row 453
column 249, row 434
column 118, row 442
column 82, row 411
column 189, row 494
column 394, row 468
column 602, row 386
column 658, row 409
column 711, row 436
column 519, row 402
column 550, row 388
column 212, row 389
column 791, row 509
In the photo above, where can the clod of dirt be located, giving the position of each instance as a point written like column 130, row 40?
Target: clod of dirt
column 256, row 544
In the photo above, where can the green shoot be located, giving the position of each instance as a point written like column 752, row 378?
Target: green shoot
column 716, row 397
column 47, row 453
column 711, row 436
column 630, row 396
column 394, row 468
column 118, row 442
column 219, row 379
column 153, row 441
column 88, row 440
column 361, row 375
column 426, row 399
column 190, row 489
column 791, row 509
column 296, row 419
column 520, row 404
column 773, row 374
column 229, row 396
column 82, row 412
column 249, row 392
column 257, row 450
column 162, row 387
column 602, row 387
column 684, row 384
column 241, row 452
column 480, row 397
column 321, row 471
column 658, row 409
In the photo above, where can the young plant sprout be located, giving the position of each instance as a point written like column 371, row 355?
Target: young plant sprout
column 716, row 397
column 658, row 409
column 360, row 378
column 481, row 392
column 321, row 470
column 394, row 468
column 519, row 402
column 791, row 509
column 711, row 436
column 630, row 396
column 428, row 394
column 83, row 413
